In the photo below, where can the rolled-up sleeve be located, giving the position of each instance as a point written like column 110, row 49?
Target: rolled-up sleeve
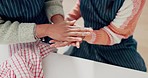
column 54, row 7
column 123, row 26
column 15, row 32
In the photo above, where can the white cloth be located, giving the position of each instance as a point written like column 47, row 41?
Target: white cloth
column 4, row 52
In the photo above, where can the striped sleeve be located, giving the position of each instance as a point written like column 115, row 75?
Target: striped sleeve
column 75, row 13
column 122, row 26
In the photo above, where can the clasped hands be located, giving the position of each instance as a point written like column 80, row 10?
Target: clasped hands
column 67, row 33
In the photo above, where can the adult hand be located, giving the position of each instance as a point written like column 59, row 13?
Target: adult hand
column 62, row 31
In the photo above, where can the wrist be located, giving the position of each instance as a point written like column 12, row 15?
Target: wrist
column 40, row 30
column 57, row 18
column 90, row 38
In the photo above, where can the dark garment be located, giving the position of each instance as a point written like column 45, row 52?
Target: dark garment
column 24, row 11
column 97, row 14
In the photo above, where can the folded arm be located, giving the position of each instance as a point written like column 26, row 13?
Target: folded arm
column 121, row 27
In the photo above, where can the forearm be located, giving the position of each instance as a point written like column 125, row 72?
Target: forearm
column 99, row 37
column 122, row 27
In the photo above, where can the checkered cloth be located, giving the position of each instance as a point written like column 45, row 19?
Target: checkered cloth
column 25, row 60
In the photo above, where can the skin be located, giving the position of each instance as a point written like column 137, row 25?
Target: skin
column 62, row 31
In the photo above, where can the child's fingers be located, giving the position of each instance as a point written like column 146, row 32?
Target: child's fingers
column 78, row 44
column 53, row 41
column 63, row 44
column 73, row 44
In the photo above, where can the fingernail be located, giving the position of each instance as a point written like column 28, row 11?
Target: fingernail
column 51, row 41
column 78, row 46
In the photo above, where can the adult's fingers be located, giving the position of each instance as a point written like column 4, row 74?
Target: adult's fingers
column 60, row 44
column 79, row 29
column 71, row 22
column 73, row 39
column 78, row 34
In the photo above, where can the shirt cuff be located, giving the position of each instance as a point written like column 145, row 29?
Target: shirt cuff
column 53, row 8
column 26, row 32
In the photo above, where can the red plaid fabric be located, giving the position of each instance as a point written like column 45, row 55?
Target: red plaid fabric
column 25, row 60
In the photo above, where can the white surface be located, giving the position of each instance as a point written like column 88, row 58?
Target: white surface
column 61, row 66
column 4, row 52
column 62, row 50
